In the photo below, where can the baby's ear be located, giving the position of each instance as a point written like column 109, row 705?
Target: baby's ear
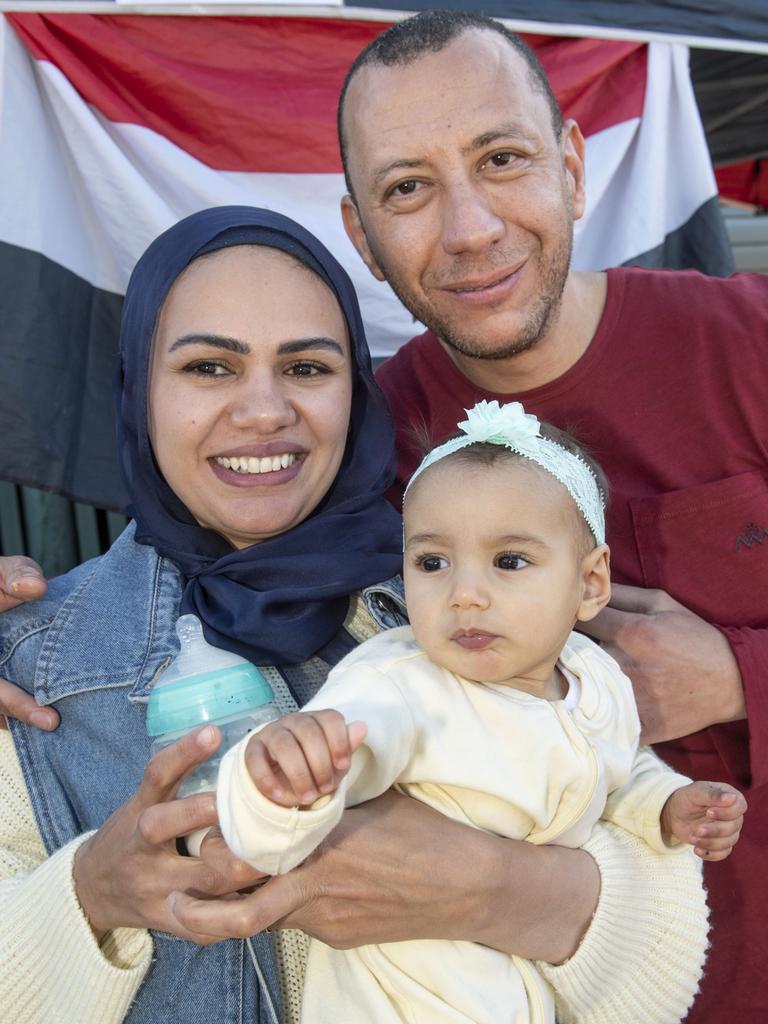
column 596, row 577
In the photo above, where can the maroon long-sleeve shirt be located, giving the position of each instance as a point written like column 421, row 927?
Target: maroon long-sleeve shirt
column 671, row 397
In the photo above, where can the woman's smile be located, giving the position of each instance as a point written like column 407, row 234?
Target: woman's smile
column 276, row 462
column 249, row 471
column 251, row 464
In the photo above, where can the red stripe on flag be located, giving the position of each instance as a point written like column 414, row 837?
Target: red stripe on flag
column 598, row 82
column 259, row 94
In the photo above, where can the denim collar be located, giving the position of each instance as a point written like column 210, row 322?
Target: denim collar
column 83, row 651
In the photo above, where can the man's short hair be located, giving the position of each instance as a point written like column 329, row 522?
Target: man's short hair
column 430, row 32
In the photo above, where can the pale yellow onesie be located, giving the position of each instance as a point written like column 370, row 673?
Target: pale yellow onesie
column 487, row 755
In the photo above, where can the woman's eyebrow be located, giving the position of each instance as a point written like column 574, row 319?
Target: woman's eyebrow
column 216, row 340
column 242, row 348
column 302, row 344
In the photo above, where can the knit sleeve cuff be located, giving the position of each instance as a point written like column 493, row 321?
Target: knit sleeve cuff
column 52, row 966
column 643, row 954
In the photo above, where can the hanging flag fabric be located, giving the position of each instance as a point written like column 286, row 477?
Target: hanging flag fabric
column 112, row 127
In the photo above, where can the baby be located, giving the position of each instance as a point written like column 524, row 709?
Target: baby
column 488, row 708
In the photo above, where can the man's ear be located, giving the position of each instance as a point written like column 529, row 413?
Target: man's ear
column 596, row 577
column 356, row 233
column 573, row 149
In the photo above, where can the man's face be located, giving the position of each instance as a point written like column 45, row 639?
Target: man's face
column 465, row 198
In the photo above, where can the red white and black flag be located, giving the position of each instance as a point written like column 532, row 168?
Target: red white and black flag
column 112, row 127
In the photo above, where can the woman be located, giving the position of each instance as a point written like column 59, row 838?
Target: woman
column 256, row 449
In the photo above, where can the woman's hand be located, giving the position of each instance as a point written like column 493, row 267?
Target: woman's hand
column 125, row 871
column 394, row 869
column 21, row 580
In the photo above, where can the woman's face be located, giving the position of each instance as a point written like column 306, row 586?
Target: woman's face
column 250, row 392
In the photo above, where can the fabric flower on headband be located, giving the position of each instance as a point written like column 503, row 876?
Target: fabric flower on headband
column 502, row 424
column 510, row 425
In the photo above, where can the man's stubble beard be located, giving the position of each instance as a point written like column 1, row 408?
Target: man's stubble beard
column 553, row 275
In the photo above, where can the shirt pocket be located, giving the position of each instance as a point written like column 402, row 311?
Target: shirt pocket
column 707, row 546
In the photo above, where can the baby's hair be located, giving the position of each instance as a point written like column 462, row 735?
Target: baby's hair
column 485, row 453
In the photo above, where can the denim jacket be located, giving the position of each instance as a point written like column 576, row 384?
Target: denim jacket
column 92, row 647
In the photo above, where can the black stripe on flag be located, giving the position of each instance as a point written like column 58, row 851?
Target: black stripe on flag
column 701, row 243
column 58, row 345
column 744, row 19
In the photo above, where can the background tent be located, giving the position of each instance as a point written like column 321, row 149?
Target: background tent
column 113, row 125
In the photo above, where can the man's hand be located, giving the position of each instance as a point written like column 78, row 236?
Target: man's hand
column 17, row 703
column 683, row 671
column 21, row 580
column 708, row 815
column 394, row 869
column 301, row 756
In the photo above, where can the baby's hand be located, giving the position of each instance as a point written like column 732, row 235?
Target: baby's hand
column 709, row 815
column 302, row 756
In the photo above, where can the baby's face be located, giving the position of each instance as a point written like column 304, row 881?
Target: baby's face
column 494, row 571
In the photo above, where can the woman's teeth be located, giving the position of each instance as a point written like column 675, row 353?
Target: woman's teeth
column 269, row 464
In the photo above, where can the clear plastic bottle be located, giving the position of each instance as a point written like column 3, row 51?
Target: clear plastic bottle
column 204, row 684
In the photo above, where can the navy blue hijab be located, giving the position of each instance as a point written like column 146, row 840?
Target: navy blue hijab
column 284, row 599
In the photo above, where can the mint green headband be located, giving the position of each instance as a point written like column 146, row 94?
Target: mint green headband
column 511, row 426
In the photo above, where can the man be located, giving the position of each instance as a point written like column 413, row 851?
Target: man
column 463, row 187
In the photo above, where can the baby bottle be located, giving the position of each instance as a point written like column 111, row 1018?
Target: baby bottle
column 205, row 684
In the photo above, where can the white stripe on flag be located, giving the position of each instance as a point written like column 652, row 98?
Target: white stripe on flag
column 647, row 177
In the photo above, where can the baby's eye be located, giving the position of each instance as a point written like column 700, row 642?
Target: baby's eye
column 431, row 563
column 510, row 561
